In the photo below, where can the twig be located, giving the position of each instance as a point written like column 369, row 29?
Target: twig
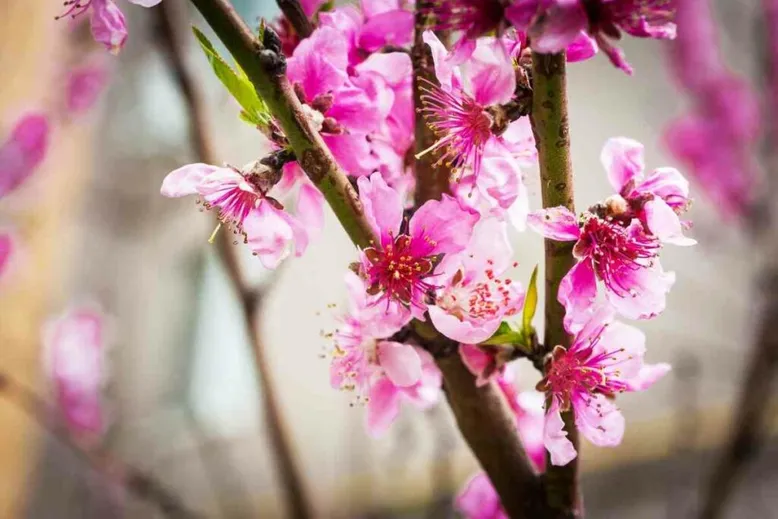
column 550, row 126
column 251, row 300
column 143, row 486
column 432, row 178
column 294, row 12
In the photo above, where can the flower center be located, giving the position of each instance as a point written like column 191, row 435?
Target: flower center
column 569, row 374
column 397, row 272
column 483, row 300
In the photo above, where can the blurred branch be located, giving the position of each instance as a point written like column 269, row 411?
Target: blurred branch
column 142, row 485
column 294, row 12
column 171, row 29
column 750, row 422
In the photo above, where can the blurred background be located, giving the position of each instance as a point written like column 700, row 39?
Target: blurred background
column 184, row 396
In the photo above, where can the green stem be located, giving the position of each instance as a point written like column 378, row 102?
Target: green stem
column 272, row 85
column 552, row 137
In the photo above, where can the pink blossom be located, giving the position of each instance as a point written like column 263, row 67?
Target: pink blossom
column 606, row 358
column 717, row 139
column 622, row 256
column 402, row 265
column 470, row 80
column 23, row 151
column 108, row 24
column 473, row 299
column 479, row 500
column 656, row 199
column 382, row 372
column 555, row 24
column 242, row 201
column 74, row 362
column 84, row 86
column 345, row 110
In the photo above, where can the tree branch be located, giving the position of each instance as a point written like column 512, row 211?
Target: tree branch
column 298, row 503
column 265, row 67
column 143, row 486
column 550, row 126
column 294, row 12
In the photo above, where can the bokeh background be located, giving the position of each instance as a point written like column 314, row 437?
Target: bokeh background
column 184, row 395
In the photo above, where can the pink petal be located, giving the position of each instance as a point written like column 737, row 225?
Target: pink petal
column 352, row 152
column 310, row 210
column 108, row 25
column 427, row 392
column 186, row 180
column 560, row 26
column 442, row 226
column 626, row 346
column 319, row 62
column 462, row 330
column 664, row 223
column 360, row 112
column 145, row 3
column 311, row 6
column 666, row 183
column 383, row 206
column 649, row 287
column 649, row 375
column 599, row 420
column 555, row 437
column 581, row 48
column 394, row 67
column 6, row 248
column 476, row 360
column 491, row 75
column 577, row 292
column 371, row 8
column 400, row 362
column 84, row 86
column 531, row 423
column 383, row 406
column 24, row 151
column 521, row 14
column 440, row 57
column 479, row 500
column 556, row 223
column 623, row 160
column 389, row 28
column 268, row 234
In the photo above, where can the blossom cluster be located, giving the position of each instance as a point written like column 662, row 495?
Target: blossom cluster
column 448, row 263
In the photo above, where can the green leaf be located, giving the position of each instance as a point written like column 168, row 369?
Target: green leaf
column 504, row 335
column 530, row 303
column 255, row 110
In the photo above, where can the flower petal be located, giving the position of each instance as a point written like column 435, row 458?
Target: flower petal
column 108, row 25
column 400, row 362
column 555, row 438
column 383, row 206
column 442, row 226
column 556, row 223
column 577, row 292
column 24, row 151
column 479, row 500
column 623, row 160
column 649, row 375
column 268, row 234
column 186, row 180
column 383, row 406
column 598, row 419
column 664, row 223
column 581, row 48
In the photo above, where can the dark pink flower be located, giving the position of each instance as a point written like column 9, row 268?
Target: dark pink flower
column 242, row 200
column 401, row 266
column 108, row 24
column 622, row 256
column 23, row 151
column 606, row 359
column 74, row 361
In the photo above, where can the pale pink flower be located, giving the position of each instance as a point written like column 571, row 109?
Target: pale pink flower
column 473, row 297
column 23, row 151
column 657, row 199
column 75, row 363
column 108, row 24
column 382, row 372
column 242, row 200
column 402, row 265
column 606, row 358
column 470, row 80
column 622, row 256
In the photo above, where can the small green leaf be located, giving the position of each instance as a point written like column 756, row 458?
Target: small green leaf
column 255, row 110
column 530, row 303
column 504, row 335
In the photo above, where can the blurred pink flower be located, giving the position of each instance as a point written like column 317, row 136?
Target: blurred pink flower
column 84, row 86
column 23, row 151
column 382, row 372
column 402, row 265
column 606, row 358
column 6, row 249
column 108, row 24
column 75, row 363
column 242, row 200
column 657, row 199
column 623, row 257
column 479, row 500
column 472, row 299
